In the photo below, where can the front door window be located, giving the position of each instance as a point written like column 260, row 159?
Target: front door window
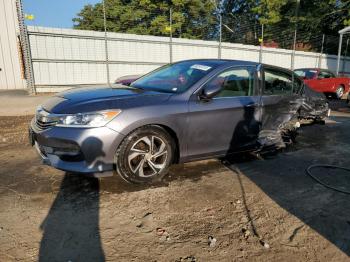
column 235, row 82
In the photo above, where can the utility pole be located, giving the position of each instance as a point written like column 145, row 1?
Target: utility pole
column 295, row 34
column 106, row 42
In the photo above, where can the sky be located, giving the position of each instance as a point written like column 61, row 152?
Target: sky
column 54, row 13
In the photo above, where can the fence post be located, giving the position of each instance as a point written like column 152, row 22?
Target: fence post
column 261, row 43
column 320, row 56
column 220, row 36
column 293, row 52
column 106, row 42
column 24, row 41
column 171, row 35
column 295, row 35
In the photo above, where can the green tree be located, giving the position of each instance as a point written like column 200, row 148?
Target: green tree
column 315, row 18
column 191, row 18
column 242, row 20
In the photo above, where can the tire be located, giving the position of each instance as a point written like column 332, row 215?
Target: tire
column 339, row 92
column 136, row 163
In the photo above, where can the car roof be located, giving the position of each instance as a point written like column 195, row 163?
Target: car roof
column 309, row 68
column 231, row 62
column 223, row 61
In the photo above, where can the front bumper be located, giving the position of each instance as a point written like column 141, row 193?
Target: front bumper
column 78, row 150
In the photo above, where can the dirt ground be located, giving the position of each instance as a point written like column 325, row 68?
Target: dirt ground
column 19, row 102
column 257, row 210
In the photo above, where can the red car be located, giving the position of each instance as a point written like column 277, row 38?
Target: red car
column 324, row 81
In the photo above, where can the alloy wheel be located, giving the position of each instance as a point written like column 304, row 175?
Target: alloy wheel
column 147, row 156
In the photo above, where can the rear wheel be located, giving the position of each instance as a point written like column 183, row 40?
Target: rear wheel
column 145, row 155
column 339, row 92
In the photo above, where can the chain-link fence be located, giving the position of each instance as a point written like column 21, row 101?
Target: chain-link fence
column 270, row 36
column 109, row 41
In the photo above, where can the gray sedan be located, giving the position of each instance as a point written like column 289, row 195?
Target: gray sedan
column 181, row 112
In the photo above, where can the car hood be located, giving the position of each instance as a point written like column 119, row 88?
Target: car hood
column 90, row 99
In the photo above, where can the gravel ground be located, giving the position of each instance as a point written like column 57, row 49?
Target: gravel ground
column 256, row 210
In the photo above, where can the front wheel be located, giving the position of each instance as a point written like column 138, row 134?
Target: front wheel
column 339, row 92
column 145, row 155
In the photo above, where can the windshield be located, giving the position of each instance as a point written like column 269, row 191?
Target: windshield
column 306, row 73
column 176, row 78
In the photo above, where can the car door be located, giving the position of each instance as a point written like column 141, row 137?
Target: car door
column 228, row 122
column 326, row 80
column 279, row 101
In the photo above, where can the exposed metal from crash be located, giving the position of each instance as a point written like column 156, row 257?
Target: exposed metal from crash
column 280, row 129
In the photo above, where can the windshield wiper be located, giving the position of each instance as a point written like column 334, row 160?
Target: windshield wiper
column 131, row 87
column 136, row 87
column 153, row 89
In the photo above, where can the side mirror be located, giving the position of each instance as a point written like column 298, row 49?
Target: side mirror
column 210, row 91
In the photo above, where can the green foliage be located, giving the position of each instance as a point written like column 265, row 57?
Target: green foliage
column 198, row 19
column 269, row 11
column 279, row 17
column 191, row 18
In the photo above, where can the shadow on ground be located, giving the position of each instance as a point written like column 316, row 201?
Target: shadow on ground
column 71, row 229
column 284, row 180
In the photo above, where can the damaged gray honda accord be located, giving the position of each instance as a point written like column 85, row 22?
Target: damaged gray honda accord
column 184, row 111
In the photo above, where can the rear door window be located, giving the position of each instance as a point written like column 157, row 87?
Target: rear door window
column 331, row 74
column 325, row 74
column 277, row 82
column 306, row 73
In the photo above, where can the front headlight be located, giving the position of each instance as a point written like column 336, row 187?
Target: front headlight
column 93, row 119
